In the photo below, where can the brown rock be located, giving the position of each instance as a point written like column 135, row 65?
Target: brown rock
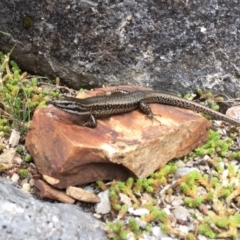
column 48, row 192
column 82, row 195
column 121, row 145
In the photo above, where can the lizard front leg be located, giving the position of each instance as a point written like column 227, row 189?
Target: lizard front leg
column 92, row 122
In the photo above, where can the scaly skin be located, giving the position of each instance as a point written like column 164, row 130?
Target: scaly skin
column 123, row 101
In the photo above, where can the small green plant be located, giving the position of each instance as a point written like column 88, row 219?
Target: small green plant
column 27, row 158
column 19, row 149
column 206, row 230
column 116, row 230
column 20, row 95
column 23, row 173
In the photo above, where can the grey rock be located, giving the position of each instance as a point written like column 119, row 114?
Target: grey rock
column 172, row 46
column 23, row 217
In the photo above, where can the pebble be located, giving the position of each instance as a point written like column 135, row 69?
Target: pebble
column 26, row 187
column 177, row 201
column 138, row 211
column 130, row 236
column 31, row 182
column 15, row 177
column 183, row 229
column 235, row 163
column 7, row 156
column 234, row 112
column 181, row 164
column 104, row 206
column 142, row 224
column 18, row 160
column 156, row 232
column 168, row 238
column 89, row 189
column 98, row 216
column 206, row 158
column 221, row 164
column 14, row 138
column 183, row 171
column 125, row 199
column 201, row 237
column 167, row 211
column 181, row 213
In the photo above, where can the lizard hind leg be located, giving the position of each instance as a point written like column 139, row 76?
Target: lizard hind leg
column 144, row 107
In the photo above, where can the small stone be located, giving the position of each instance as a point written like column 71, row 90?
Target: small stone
column 31, row 182
column 167, row 211
column 125, row 199
column 181, row 214
column 25, row 180
column 89, row 189
column 168, row 238
column 206, row 157
column 104, row 206
column 14, row 138
column 156, row 232
column 146, row 198
column 201, row 237
column 181, row 164
column 98, row 216
column 131, row 236
column 18, row 160
column 234, row 112
column 82, row 195
column 26, row 187
column 203, row 209
column 7, row 156
column 141, row 223
column 183, row 171
column 50, row 180
column 176, row 201
column 139, row 211
column 184, row 229
column 15, row 177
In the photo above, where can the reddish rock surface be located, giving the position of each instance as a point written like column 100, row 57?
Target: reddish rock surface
column 121, row 145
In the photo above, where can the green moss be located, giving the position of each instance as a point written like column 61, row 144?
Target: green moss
column 23, row 173
column 206, row 230
column 19, row 95
column 19, row 149
column 27, row 158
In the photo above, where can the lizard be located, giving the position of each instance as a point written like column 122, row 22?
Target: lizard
column 121, row 101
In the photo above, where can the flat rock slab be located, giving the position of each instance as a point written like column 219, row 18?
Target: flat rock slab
column 120, row 146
